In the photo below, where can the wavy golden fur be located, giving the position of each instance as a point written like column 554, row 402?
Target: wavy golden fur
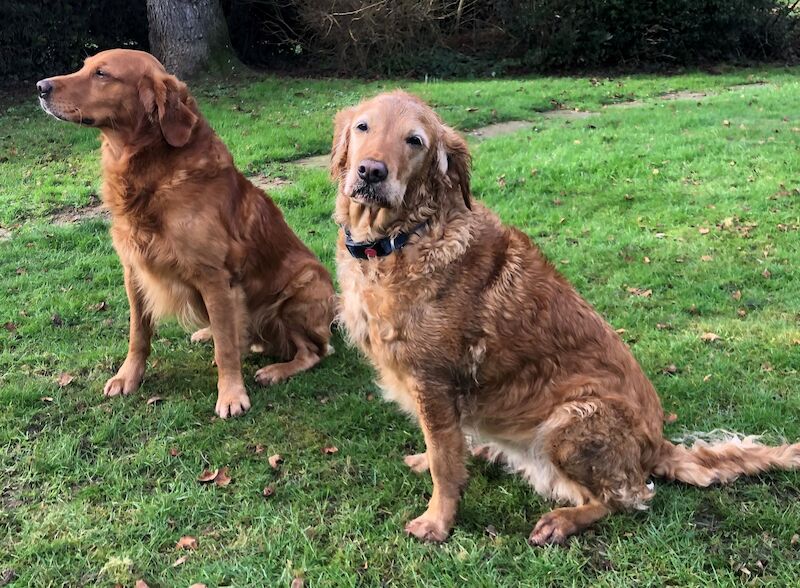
column 196, row 239
column 475, row 334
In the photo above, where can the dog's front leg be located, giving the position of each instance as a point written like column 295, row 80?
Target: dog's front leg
column 226, row 309
column 130, row 374
column 445, row 446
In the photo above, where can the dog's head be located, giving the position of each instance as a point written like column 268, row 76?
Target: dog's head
column 122, row 91
column 394, row 152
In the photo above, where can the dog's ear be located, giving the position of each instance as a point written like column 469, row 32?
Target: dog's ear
column 453, row 162
column 166, row 98
column 341, row 141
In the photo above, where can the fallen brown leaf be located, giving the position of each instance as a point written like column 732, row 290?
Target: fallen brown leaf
column 472, row 109
column 710, row 337
column 9, row 326
column 663, row 326
column 766, row 273
column 737, row 295
column 795, row 539
column 64, row 379
column 208, row 476
column 47, row 399
column 275, row 461
column 646, row 259
column 198, row 585
column 154, row 400
column 330, row 450
column 741, row 312
column 267, row 491
column 640, row 292
column 704, row 230
column 180, row 561
column 670, row 370
column 222, row 479
column 173, row 451
column 101, row 306
column 670, row 418
column 258, row 449
column 298, row 583
column 57, row 320
column 621, row 331
column 186, row 542
column 141, row 584
column 707, row 377
column 706, row 258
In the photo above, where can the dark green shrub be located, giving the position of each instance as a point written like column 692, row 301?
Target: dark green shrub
column 40, row 38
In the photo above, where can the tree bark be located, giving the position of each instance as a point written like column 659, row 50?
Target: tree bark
column 190, row 36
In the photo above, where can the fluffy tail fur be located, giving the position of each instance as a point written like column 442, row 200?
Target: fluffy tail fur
column 723, row 460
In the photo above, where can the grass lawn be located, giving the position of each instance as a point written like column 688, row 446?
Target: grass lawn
column 674, row 218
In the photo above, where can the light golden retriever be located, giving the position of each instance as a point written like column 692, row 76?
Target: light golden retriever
column 196, row 239
column 476, row 335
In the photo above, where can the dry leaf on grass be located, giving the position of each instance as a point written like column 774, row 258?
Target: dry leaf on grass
column 101, row 306
column 258, row 449
column 180, row 561
column 154, row 400
column 766, row 273
column 670, row 418
column 707, row 377
column 710, row 337
column 267, row 491
column 641, row 292
column 141, row 584
column 57, row 320
column 704, row 230
column 198, row 585
column 9, row 326
column 670, row 370
column 275, row 461
column 186, row 542
column 706, row 258
column 174, row 452
column 64, row 379
column 47, row 399
column 737, row 295
column 298, row 583
column 222, row 479
column 208, row 476
column 330, row 450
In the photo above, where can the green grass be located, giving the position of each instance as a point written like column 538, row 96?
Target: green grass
column 91, row 495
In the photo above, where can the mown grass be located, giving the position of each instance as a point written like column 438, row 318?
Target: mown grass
column 90, row 493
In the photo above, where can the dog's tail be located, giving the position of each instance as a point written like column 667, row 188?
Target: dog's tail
column 726, row 457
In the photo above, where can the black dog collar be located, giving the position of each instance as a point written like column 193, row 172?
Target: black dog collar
column 381, row 247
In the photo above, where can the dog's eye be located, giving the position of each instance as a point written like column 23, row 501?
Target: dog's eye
column 362, row 126
column 100, row 73
column 414, row 141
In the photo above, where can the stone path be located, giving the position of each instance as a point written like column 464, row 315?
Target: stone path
column 95, row 210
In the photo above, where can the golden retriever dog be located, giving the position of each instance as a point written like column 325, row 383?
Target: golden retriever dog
column 474, row 333
column 195, row 238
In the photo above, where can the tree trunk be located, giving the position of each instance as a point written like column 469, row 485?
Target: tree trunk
column 190, row 36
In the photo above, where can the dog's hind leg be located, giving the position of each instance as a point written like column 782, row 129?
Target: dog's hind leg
column 589, row 456
column 306, row 356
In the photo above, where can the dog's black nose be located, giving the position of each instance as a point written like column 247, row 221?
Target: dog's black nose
column 372, row 171
column 44, row 87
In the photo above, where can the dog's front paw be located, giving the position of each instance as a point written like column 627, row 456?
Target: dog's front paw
column 125, row 382
column 417, row 462
column 232, row 401
column 429, row 528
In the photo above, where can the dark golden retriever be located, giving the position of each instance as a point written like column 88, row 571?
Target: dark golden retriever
column 196, row 239
column 475, row 334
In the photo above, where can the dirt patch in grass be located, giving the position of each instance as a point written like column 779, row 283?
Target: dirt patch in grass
column 267, row 183
column 69, row 215
column 628, row 104
column 569, row 114
column 5, row 234
column 316, row 161
column 498, row 129
column 683, row 95
column 738, row 87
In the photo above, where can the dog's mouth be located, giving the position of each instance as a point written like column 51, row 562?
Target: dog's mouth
column 371, row 194
column 74, row 117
